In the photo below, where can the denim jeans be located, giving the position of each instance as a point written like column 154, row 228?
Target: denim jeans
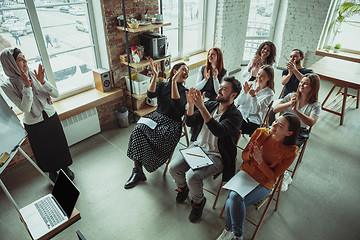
column 236, row 208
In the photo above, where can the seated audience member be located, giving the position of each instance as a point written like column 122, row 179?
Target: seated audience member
column 32, row 93
column 211, row 75
column 303, row 103
column 220, row 123
column 265, row 55
column 152, row 147
column 254, row 102
column 266, row 157
column 294, row 72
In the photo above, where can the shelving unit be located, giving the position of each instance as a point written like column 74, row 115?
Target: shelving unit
column 144, row 28
column 134, row 97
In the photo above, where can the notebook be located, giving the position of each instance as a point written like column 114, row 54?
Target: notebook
column 52, row 210
column 196, row 157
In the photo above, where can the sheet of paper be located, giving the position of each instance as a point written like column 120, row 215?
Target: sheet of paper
column 148, row 122
column 196, row 157
column 242, row 183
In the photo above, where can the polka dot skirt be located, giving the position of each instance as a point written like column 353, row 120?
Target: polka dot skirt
column 153, row 147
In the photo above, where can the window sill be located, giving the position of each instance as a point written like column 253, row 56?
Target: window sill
column 84, row 101
column 340, row 55
column 194, row 61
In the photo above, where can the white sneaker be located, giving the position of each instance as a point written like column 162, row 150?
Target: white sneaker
column 225, row 235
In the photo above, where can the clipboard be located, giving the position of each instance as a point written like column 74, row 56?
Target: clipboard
column 196, row 157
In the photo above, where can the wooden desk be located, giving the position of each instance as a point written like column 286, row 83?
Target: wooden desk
column 343, row 74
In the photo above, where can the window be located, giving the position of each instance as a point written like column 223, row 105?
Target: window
column 186, row 34
column 260, row 26
column 56, row 33
column 342, row 32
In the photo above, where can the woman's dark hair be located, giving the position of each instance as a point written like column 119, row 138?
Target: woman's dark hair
column 175, row 67
column 314, row 85
column 294, row 126
column 219, row 61
column 271, row 58
column 270, row 72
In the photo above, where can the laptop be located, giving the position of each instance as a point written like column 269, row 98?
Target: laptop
column 52, row 210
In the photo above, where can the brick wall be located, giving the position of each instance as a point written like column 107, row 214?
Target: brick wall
column 230, row 30
column 116, row 38
column 300, row 27
column 106, row 114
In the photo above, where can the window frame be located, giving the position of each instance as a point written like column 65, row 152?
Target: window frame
column 272, row 29
column 97, row 35
column 180, row 30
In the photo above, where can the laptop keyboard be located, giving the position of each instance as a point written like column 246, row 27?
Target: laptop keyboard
column 49, row 212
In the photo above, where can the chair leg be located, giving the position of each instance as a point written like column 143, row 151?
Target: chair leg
column 277, row 187
column 186, row 136
column 299, row 158
column 223, row 209
column 167, row 163
column 218, row 194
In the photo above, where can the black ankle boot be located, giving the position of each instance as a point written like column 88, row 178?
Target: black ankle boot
column 136, row 176
column 69, row 173
column 53, row 176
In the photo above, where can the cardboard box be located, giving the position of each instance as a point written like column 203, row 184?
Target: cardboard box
column 138, row 103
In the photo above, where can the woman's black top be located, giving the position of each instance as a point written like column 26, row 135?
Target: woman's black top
column 173, row 108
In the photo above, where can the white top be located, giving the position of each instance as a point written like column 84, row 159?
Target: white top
column 206, row 140
column 253, row 109
column 308, row 109
column 246, row 75
column 201, row 81
column 24, row 103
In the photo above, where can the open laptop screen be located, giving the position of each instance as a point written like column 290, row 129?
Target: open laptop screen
column 65, row 192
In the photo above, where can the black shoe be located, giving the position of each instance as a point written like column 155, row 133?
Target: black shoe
column 69, row 173
column 182, row 194
column 197, row 210
column 53, row 176
column 136, row 176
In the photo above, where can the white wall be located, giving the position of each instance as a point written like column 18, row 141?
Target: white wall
column 299, row 25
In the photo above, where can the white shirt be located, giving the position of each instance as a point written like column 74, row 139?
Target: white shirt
column 308, row 109
column 206, row 140
column 24, row 103
column 253, row 109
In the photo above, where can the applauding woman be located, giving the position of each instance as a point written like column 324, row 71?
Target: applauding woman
column 265, row 55
column 210, row 75
column 304, row 103
column 151, row 147
column 268, row 154
column 254, row 101
column 31, row 93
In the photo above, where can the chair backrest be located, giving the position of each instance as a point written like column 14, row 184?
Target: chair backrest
column 266, row 117
column 282, row 92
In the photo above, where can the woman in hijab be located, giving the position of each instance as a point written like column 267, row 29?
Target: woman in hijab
column 31, row 93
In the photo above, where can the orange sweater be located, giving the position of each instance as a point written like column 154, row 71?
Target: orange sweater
column 276, row 158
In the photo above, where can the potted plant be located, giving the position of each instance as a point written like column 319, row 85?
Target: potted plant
column 337, row 48
column 343, row 11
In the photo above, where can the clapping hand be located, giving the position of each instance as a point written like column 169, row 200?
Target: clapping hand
column 294, row 100
column 26, row 81
column 291, row 66
column 198, row 98
column 39, row 74
column 247, row 87
column 154, row 67
column 256, row 152
column 207, row 74
column 215, row 73
column 189, row 96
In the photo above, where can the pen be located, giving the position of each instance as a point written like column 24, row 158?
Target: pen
column 194, row 155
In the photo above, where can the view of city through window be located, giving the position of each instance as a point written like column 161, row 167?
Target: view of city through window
column 57, row 31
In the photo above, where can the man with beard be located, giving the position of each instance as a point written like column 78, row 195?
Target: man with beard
column 294, row 72
column 219, row 123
